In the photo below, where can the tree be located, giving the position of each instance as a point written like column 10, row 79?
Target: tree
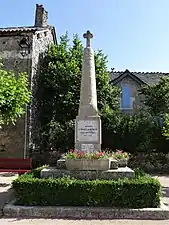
column 132, row 133
column 156, row 97
column 156, row 100
column 14, row 95
column 165, row 129
column 58, row 91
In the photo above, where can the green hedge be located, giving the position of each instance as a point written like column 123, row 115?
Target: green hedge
column 36, row 172
column 135, row 193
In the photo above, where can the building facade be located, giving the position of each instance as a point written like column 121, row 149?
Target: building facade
column 130, row 83
column 20, row 50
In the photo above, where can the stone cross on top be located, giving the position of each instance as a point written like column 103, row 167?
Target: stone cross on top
column 88, row 36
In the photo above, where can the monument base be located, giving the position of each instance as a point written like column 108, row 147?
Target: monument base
column 62, row 165
column 123, row 172
column 88, row 133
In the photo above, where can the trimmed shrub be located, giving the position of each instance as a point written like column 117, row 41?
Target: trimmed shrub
column 36, row 172
column 135, row 193
column 140, row 173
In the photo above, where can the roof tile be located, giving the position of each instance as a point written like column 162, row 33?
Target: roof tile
column 22, row 29
column 147, row 77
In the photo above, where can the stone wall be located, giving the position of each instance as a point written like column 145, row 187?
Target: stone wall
column 134, row 87
column 12, row 138
column 10, row 53
column 41, row 42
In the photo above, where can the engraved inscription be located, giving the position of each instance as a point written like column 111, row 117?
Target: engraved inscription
column 87, row 147
column 87, row 130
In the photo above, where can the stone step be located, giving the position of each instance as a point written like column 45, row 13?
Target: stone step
column 121, row 172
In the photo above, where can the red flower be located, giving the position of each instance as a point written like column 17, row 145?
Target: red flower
column 100, row 154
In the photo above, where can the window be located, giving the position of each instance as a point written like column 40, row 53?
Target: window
column 126, row 99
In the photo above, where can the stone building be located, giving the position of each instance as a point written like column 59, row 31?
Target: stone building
column 20, row 49
column 130, row 82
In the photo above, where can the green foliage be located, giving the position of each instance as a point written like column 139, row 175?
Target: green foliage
column 36, row 172
column 156, row 97
column 140, row 173
column 156, row 100
column 151, row 162
column 61, row 134
column 165, row 128
column 59, row 92
column 14, row 95
column 135, row 193
column 129, row 133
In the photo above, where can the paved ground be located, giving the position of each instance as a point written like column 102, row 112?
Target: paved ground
column 164, row 180
column 80, row 222
column 6, row 179
column 5, row 188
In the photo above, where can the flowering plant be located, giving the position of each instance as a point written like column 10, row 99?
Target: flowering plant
column 55, row 154
column 119, row 154
column 75, row 154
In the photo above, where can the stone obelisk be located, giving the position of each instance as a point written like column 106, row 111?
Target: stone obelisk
column 88, row 123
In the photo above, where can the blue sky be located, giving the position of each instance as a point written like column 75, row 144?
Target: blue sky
column 133, row 33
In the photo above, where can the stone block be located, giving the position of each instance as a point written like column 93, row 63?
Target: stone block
column 107, row 213
column 87, row 164
column 61, row 164
column 122, row 162
column 123, row 172
column 113, row 164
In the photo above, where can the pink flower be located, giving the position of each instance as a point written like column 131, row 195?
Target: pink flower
column 71, row 150
column 118, row 151
column 100, row 153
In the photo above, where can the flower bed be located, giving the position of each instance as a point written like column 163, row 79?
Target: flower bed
column 75, row 154
column 121, row 157
column 141, row 192
column 79, row 160
column 117, row 154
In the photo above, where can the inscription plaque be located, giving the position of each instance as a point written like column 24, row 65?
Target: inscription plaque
column 87, row 130
column 87, row 147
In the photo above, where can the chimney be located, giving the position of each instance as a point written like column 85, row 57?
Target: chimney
column 41, row 16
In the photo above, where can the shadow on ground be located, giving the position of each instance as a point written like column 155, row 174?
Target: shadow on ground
column 4, row 185
column 7, row 174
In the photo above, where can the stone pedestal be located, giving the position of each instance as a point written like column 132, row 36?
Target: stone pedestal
column 88, row 124
column 62, row 165
column 87, row 164
column 123, row 172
